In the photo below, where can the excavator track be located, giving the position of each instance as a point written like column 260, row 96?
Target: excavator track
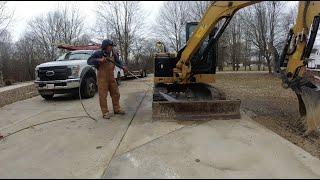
column 197, row 102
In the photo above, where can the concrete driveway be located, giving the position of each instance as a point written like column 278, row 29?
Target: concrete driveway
column 135, row 146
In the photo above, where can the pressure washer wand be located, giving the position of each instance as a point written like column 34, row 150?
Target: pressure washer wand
column 121, row 67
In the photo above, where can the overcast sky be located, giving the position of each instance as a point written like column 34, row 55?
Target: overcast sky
column 26, row 10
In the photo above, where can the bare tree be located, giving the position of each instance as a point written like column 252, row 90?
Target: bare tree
column 197, row 9
column 264, row 23
column 5, row 20
column 59, row 26
column 247, row 50
column 5, row 17
column 288, row 20
column 223, row 53
column 18, row 59
column 121, row 21
column 5, row 54
column 171, row 22
column 29, row 53
column 232, row 45
column 71, row 24
column 84, row 39
column 143, row 53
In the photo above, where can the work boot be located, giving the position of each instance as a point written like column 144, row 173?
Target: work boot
column 120, row 112
column 107, row 116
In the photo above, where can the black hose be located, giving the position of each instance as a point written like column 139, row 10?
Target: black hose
column 59, row 119
column 85, row 110
column 38, row 124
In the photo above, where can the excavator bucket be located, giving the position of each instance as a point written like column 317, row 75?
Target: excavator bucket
column 311, row 101
column 201, row 102
column 200, row 110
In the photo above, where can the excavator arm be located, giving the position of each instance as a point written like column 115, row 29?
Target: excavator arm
column 216, row 12
column 297, row 76
column 301, row 39
column 308, row 14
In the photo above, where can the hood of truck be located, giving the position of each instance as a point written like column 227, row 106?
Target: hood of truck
column 63, row 63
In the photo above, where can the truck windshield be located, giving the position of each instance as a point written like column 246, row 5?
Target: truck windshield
column 74, row 56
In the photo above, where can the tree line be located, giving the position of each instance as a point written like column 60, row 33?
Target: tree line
column 244, row 41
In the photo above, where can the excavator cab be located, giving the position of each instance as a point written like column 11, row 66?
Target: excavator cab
column 205, row 62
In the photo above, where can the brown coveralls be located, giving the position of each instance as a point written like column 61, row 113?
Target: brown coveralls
column 107, row 82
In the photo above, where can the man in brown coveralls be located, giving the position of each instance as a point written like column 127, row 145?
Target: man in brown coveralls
column 106, row 81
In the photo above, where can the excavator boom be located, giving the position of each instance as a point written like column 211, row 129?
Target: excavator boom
column 215, row 13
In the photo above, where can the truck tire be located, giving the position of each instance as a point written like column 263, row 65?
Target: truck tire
column 47, row 96
column 118, row 79
column 89, row 87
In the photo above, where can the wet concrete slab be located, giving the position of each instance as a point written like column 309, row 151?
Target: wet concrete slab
column 215, row 149
column 72, row 148
column 83, row 148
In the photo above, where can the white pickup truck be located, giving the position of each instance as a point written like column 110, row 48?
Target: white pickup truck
column 63, row 75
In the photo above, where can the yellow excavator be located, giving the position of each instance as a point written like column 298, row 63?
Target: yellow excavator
column 183, row 81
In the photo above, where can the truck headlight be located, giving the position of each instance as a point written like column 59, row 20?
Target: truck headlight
column 75, row 71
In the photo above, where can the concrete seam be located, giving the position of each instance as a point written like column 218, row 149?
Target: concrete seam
column 145, row 94
column 194, row 124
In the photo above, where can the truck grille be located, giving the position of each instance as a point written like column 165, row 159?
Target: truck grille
column 54, row 73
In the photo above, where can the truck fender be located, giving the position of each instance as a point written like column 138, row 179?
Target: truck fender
column 88, row 71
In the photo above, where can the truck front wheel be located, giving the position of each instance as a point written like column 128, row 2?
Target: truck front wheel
column 88, row 89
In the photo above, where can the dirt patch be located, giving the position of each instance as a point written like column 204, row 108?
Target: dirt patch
column 268, row 103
